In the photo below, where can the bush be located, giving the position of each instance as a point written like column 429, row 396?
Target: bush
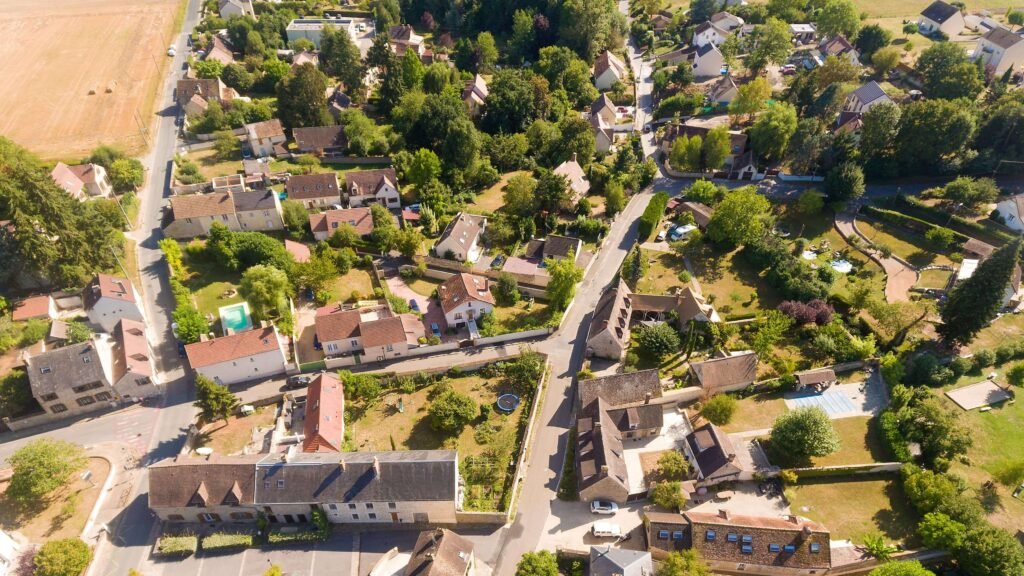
column 657, row 341
column 668, row 495
column 181, row 545
column 804, row 432
column 226, row 541
column 719, row 409
column 651, row 217
column 309, row 535
column 983, row 359
column 451, row 411
column 68, row 557
column 889, row 425
column 1015, row 375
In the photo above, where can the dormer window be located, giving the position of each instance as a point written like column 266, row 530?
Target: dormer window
column 45, row 370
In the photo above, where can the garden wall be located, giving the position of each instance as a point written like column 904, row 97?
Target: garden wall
column 26, row 422
column 356, row 160
column 513, row 336
column 437, row 274
column 480, row 518
column 340, row 361
column 799, row 178
column 535, row 280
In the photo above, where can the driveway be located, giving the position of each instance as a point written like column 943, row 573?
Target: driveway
column 431, row 309
column 335, row 557
column 900, row 277
column 747, row 501
column 569, row 526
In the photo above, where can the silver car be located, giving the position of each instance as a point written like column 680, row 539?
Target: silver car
column 603, row 507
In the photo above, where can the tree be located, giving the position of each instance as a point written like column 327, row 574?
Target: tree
column 684, row 563
column 566, row 71
column 586, row 25
column 634, row 266
column 317, row 272
column 486, row 53
column 208, row 69
column 741, row 217
column 384, row 235
column 804, row 432
column 719, row 409
column 236, row 76
column 510, row 105
column 126, row 174
column 1015, row 17
column 771, row 42
column 902, row 568
column 615, row 198
column 425, row 166
column 542, row 563
column 940, row 532
column 871, row 39
column 564, row 274
column 518, row 196
column 42, row 466
column 1015, row 375
column 947, row 73
column 702, row 10
column 934, row 133
column 836, row 69
column 771, row 133
column 885, row 59
column 392, row 88
column 225, row 143
column 705, row 192
column 506, row 290
column 295, row 217
column 990, row 551
column 215, row 402
column 975, row 302
column 810, row 203
column 939, row 239
column 844, row 182
column 68, row 557
column 192, row 325
column 673, row 465
column 909, row 28
column 668, row 495
column 364, row 136
column 339, row 57
column 408, row 241
column 264, row 288
column 970, row 192
column 771, row 325
column 273, row 71
column 657, row 341
column 412, row 70
column 716, row 147
column 879, row 126
column 552, row 191
column 750, row 99
column 838, row 17
column 523, row 40
column 78, row 332
column 451, row 411
column 876, row 547
column 301, row 98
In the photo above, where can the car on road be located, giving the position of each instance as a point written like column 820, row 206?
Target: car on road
column 172, row 50
column 435, row 329
column 414, row 305
column 603, row 507
column 606, row 530
column 181, row 349
column 788, row 69
column 297, row 381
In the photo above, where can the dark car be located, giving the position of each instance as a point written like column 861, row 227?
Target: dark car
column 498, row 261
column 181, row 349
column 298, row 381
column 414, row 305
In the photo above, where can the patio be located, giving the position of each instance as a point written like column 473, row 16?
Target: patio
column 672, row 437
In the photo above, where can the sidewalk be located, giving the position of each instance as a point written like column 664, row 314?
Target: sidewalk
column 124, row 472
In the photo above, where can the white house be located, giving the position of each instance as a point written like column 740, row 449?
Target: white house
column 109, row 299
column 724, row 91
column 135, row 375
column 608, row 69
column 604, row 133
column 574, row 175
column 1012, row 211
column 375, row 333
column 232, row 8
column 940, row 17
column 839, row 47
column 88, row 178
column 264, row 136
column 461, row 238
column 707, row 61
column 608, row 336
column 403, row 37
column 312, row 29
column 709, row 33
column 240, row 357
column 862, row 99
column 803, row 33
column 465, row 297
column 475, row 94
column 364, row 187
column 727, row 21
column 999, row 50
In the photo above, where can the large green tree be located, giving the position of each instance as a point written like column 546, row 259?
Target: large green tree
column 339, row 57
column 265, row 289
column 804, row 432
column 215, row 402
column 684, row 563
column 948, row 73
column 975, row 301
column 906, row 568
column 871, row 39
column 451, row 411
column 542, row 563
column 657, row 341
column 509, row 107
column 771, row 42
column 565, row 274
column 838, row 17
column 771, row 133
column 68, row 557
column 301, row 98
column 41, row 467
column 742, row 216
column 934, row 134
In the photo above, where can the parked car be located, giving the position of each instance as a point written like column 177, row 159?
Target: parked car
column 623, row 110
column 606, row 530
column 298, row 381
column 498, row 261
column 414, row 305
column 435, row 329
column 681, row 231
column 171, row 51
column 661, row 236
column 603, row 507
column 181, row 349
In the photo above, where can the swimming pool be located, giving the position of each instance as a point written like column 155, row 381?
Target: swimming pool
column 235, row 317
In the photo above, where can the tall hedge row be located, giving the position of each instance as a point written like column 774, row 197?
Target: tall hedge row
column 652, row 215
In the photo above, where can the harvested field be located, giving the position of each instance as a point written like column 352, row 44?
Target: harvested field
column 53, row 53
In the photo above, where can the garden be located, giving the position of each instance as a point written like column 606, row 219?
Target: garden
column 231, row 437
column 880, row 507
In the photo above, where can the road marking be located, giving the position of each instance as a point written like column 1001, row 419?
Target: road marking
column 241, row 565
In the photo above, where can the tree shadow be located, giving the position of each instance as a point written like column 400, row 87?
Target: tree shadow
column 423, row 437
column 899, row 520
column 921, row 258
column 989, row 498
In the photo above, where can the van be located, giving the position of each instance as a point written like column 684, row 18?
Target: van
column 606, row 530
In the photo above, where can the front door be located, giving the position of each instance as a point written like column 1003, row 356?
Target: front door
column 394, row 517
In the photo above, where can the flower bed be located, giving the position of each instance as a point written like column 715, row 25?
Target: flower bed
column 180, row 545
column 226, row 541
column 300, row 535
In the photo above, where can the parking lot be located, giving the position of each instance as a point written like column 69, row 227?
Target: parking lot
column 335, row 557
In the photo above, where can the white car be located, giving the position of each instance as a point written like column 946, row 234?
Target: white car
column 603, row 507
column 606, row 530
column 171, row 51
column 661, row 236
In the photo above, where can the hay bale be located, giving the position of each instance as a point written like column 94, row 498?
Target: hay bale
column 92, row 91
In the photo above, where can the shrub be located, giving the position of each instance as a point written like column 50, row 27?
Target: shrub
column 651, row 217
column 673, row 466
column 719, row 409
column 277, row 537
column 226, row 541
column 889, row 425
column 181, row 545
column 668, row 495
column 68, row 557
column 983, row 359
column 1015, row 375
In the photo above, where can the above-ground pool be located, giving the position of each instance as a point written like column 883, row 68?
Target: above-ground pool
column 809, row 255
column 507, row 403
column 843, row 266
column 235, row 317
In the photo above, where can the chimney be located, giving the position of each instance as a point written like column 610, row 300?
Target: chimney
column 604, row 469
column 724, row 514
column 573, row 156
column 793, row 518
column 376, row 467
column 647, row 398
column 290, row 453
column 341, row 464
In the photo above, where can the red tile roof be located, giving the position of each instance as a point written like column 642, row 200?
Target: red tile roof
column 34, row 307
column 324, row 425
column 225, row 348
column 458, row 289
column 298, row 250
column 106, row 286
column 359, row 218
column 133, row 348
column 337, row 325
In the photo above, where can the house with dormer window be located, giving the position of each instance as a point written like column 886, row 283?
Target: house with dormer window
column 461, row 238
column 465, row 297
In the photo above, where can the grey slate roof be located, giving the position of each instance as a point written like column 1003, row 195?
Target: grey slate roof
column 559, row 246
column 248, row 201
column 939, row 11
column 869, row 92
column 1003, row 38
column 406, row 476
column 608, row 561
column 712, row 449
column 619, row 389
column 606, row 308
column 64, row 368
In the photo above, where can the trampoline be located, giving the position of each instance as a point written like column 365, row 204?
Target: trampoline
column 507, row 403
column 832, row 401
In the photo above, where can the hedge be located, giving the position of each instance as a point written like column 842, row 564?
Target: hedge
column 306, row 535
column 226, row 541
column 652, row 215
column 913, row 224
column 985, row 232
column 892, row 436
column 853, row 472
column 182, row 545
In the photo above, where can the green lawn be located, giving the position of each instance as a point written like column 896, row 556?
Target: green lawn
column 1007, row 328
column 855, row 508
column 517, row 318
column 209, row 284
column 288, row 165
column 493, row 198
column 934, row 278
column 424, row 286
column 903, row 244
column 756, row 412
column 357, row 280
column 211, row 166
column 859, row 443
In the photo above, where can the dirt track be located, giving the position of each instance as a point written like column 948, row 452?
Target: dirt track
column 53, row 52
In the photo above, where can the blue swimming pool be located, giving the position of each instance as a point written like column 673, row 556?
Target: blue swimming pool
column 235, row 317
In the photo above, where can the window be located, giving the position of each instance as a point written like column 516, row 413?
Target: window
column 83, row 387
column 373, row 516
column 86, row 360
column 332, row 506
column 710, row 535
column 392, row 506
column 188, row 220
column 789, row 548
column 747, row 549
column 280, row 483
column 458, row 315
column 369, row 506
column 391, row 348
column 48, row 397
column 351, row 506
column 224, row 217
column 815, row 548
column 334, row 224
column 85, row 400
column 58, row 408
column 175, row 517
column 355, row 516
column 45, row 370
column 731, row 537
column 774, row 548
column 747, row 538
column 332, row 347
column 663, row 534
column 354, row 342
column 677, row 535
column 103, row 396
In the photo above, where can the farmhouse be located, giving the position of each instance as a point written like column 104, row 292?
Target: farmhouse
column 725, row 374
column 220, row 51
column 321, row 140
column 192, row 215
column 686, row 305
column 265, row 137
column 608, row 336
column 240, row 357
column 712, row 456
column 464, row 297
column 608, row 69
column 259, row 210
column 940, row 17
column 999, row 50
column 211, row 489
column 134, row 374
column 323, row 425
column 574, row 175
column 72, row 380
column 364, row 187
column 461, row 238
column 605, row 108
column 314, row 190
column 326, row 223
column 374, row 333
column 474, row 95
column 862, row 99
column 441, row 552
column 108, row 299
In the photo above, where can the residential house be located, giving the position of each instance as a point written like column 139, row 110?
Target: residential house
column 732, row 542
column 76, row 179
column 605, row 108
column 686, row 305
column 660, row 21
column 265, row 137
column 323, row 425
column 708, row 33
column 312, row 28
column 363, row 187
column 727, row 21
column 559, row 247
column 236, row 8
column 306, row 57
column 723, row 92
column 314, row 190
column 608, row 561
column 195, row 94
column 839, row 47
column 338, row 102
column 1013, row 296
column 737, row 140
column 403, row 37
column 608, row 69
column 613, row 409
column 701, row 213
column 108, row 299
column 374, row 333
column 239, row 357
column 862, row 99
column 744, row 166
column 849, row 123
column 259, row 211
column 34, row 307
column 726, row 374
column 441, row 552
column 707, row 61
column 803, row 33
column 819, row 377
column 321, row 140
column 72, row 380
column 229, row 183
column 214, row 488
column 66, row 178
column 999, row 50
column 256, row 171
column 608, row 336
column 192, row 215
column 134, row 373
column 220, row 51
column 464, row 297
column 326, row 223
column 1012, row 212
column 712, row 456
column 940, row 17
column 676, row 57
column 474, row 95
column 391, row 337
column 604, row 133
column 575, row 177
column 461, row 238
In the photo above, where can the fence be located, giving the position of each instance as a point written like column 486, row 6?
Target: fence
column 438, row 274
column 480, row 518
column 340, row 361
